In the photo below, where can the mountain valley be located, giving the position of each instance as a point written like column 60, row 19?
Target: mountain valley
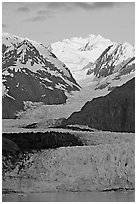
column 35, row 81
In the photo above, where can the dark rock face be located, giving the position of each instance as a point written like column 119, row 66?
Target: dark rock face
column 32, row 73
column 17, row 146
column 107, row 63
column 113, row 112
column 37, row 141
column 10, row 153
column 29, row 89
column 8, row 146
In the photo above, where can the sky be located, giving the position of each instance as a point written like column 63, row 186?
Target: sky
column 48, row 22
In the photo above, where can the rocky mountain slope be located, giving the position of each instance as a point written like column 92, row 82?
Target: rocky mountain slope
column 31, row 73
column 113, row 59
column 113, row 112
column 114, row 64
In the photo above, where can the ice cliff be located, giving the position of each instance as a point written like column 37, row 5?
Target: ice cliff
column 80, row 168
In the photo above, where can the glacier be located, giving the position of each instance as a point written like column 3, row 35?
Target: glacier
column 80, row 168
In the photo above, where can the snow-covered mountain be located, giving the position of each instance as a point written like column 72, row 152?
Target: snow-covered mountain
column 95, row 56
column 76, row 53
column 113, row 59
column 30, row 72
column 116, row 63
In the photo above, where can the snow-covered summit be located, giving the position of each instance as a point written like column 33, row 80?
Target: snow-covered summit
column 79, row 53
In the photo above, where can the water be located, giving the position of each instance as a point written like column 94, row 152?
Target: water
column 121, row 196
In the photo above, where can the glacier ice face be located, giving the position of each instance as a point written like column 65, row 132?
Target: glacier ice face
column 85, row 168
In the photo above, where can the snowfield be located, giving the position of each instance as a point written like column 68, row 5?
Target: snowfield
column 85, row 168
column 77, row 52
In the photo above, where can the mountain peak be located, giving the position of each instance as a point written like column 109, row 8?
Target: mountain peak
column 79, row 53
column 127, row 44
column 91, row 36
column 99, row 37
column 26, row 43
column 7, row 35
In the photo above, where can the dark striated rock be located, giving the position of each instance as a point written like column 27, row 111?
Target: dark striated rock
column 114, row 59
column 113, row 112
column 8, row 146
column 38, row 141
column 10, row 154
column 30, row 89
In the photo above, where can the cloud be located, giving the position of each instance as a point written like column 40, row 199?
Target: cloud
column 4, row 25
column 83, row 5
column 44, row 12
column 23, row 9
column 40, row 17
column 97, row 5
column 56, row 5
column 37, row 18
column 51, row 6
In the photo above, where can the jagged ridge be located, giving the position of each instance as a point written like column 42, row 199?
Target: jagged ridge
column 114, row 59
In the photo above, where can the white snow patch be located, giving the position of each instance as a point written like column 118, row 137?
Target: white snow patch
column 17, row 85
column 60, row 86
column 6, row 73
column 43, row 95
column 12, row 75
column 4, row 90
column 6, row 94
column 49, row 87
